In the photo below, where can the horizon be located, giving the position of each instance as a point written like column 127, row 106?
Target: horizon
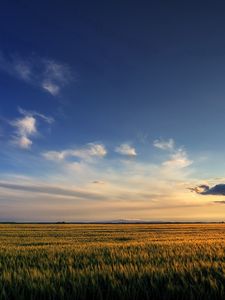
column 113, row 222
column 112, row 111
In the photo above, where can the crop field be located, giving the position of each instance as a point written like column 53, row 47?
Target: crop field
column 112, row 261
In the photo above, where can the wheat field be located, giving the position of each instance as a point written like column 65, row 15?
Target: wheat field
column 121, row 261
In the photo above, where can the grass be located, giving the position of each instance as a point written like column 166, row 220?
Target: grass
column 112, row 261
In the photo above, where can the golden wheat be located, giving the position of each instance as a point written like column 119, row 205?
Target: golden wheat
column 112, row 261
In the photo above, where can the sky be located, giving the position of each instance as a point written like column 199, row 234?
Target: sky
column 112, row 110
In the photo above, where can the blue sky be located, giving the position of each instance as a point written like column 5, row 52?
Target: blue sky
column 111, row 110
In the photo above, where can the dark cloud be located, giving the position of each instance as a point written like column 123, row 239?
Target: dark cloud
column 200, row 189
column 203, row 189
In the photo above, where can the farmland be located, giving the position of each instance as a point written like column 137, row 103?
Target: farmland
column 126, row 261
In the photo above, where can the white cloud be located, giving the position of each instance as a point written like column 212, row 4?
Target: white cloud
column 126, row 149
column 86, row 153
column 49, row 75
column 179, row 159
column 51, row 87
column 26, row 128
column 55, row 155
column 25, row 125
column 164, row 144
column 92, row 149
column 23, row 142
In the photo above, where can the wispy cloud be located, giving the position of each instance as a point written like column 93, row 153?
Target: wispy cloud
column 79, row 184
column 50, row 189
column 55, row 76
column 132, row 189
column 98, row 182
column 48, row 74
column 51, row 87
column 26, row 127
column 178, row 159
column 164, row 144
column 31, row 113
column 126, row 149
column 86, row 153
column 22, row 69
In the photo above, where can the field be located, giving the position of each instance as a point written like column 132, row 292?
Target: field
column 112, row 261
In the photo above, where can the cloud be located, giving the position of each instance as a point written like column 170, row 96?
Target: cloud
column 55, row 155
column 24, row 112
column 26, row 128
column 218, row 189
column 23, row 142
column 55, row 76
column 47, row 74
column 92, row 149
column 179, row 159
column 164, row 144
column 98, row 182
column 85, row 153
column 23, row 70
column 49, row 189
column 16, row 67
column 126, row 149
column 200, row 188
column 50, row 87
column 133, row 188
